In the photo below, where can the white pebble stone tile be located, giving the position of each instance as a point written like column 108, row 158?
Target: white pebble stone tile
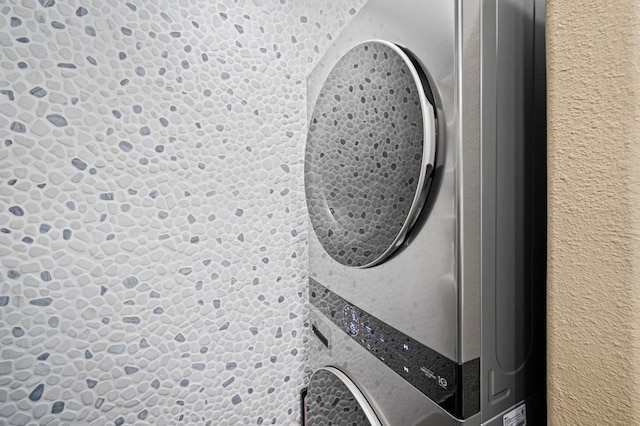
column 151, row 205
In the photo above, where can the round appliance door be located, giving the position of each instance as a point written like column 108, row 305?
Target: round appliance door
column 333, row 399
column 370, row 153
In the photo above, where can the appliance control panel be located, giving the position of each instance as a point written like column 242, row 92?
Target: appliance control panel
column 433, row 374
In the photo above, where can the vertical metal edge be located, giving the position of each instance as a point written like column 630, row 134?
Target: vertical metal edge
column 303, row 406
column 488, row 49
column 468, row 177
column 540, row 293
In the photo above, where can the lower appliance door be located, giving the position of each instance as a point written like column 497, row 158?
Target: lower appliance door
column 334, row 399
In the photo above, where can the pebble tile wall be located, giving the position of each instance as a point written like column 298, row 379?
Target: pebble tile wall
column 152, row 215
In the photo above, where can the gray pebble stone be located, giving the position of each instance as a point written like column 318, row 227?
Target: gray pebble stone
column 18, row 127
column 16, row 210
column 78, row 164
column 38, row 92
column 57, row 120
column 130, row 282
column 8, row 93
column 57, row 407
column 115, row 349
column 36, row 394
column 125, row 146
column 130, row 370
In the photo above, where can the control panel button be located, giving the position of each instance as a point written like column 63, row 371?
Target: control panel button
column 350, row 320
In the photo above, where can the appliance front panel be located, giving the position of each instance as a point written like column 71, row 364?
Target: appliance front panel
column 416, row 289
column 454, row 387
column 394, row 400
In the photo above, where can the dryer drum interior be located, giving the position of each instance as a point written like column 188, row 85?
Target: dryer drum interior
column 370, row 153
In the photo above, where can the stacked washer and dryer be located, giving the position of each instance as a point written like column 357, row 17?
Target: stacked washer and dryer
column 425, row 180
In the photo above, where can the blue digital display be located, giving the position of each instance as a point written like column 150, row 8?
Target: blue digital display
column 350, row 320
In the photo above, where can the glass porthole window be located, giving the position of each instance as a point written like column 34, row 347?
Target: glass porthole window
column 370, row 152
column 333, row 399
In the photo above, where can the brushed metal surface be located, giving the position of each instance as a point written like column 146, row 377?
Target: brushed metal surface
column 421, row 278
column 394, row 400
column 462, row 283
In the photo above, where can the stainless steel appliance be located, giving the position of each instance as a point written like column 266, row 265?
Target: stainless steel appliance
column 425, row 185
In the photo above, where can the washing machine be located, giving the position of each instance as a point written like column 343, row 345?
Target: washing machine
column 425, row 185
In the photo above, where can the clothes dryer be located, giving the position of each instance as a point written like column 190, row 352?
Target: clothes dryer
column 425, row 187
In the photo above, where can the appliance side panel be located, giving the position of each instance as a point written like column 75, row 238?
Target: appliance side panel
column 468, row 176
column 513, row 208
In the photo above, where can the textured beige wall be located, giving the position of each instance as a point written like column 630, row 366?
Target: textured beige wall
column 594, row 211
